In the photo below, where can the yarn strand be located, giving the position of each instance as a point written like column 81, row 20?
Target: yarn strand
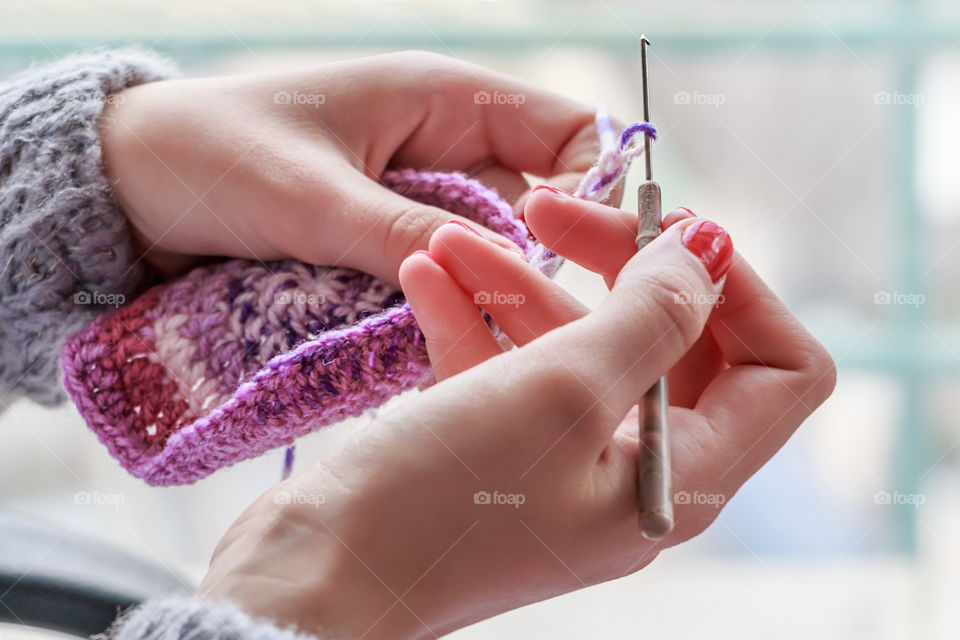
column 616, row 154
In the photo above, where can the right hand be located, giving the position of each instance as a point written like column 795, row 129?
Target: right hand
column 401, row 548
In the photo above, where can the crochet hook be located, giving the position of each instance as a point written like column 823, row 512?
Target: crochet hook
column 655, row 500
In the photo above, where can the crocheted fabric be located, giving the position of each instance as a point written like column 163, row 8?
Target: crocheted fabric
column 241, row 357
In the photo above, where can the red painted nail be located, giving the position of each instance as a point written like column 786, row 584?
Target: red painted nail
column 552, row 189
column 711, row 244
column 687, row 210
column 465, row 226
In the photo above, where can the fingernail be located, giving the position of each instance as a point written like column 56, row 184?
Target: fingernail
column 686, row 209
column 711, row 244
column 421, row 252
column 552, row 189
column 465, row 226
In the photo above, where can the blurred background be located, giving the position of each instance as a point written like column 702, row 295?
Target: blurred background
column 821, row 134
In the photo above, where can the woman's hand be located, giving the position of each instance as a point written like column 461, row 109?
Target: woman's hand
column 515, row 478
column 286, row 164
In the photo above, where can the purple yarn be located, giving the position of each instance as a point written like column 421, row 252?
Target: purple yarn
column 224, row 364
column 288, row 457
column 638, row 127
column 615, row 159
column 227, row 362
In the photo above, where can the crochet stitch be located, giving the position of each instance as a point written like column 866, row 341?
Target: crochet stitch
column 242, row 357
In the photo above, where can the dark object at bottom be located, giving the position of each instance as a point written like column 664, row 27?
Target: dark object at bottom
column 52, row 578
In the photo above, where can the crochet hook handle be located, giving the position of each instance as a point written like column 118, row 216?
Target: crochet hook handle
column 654, row 474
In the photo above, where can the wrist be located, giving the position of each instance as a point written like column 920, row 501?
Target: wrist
column 122, row 149
column 262, row 571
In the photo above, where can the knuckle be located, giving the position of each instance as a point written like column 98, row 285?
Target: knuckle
column 423, row 60
column 447, row 80
column 818, row 366
column 567, row 400
column 671, row 300
column 408, row 230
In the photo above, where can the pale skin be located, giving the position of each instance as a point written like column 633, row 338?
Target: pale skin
column 397, row 547
column 215, row 166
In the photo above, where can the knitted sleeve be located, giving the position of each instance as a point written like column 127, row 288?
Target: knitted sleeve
column 182, row 618
column 65, row 251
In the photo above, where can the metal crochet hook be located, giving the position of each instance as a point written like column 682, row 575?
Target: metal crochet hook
column 655, row 500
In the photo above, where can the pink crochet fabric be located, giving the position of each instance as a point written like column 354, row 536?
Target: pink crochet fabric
column 239, row 358
column 242, row 357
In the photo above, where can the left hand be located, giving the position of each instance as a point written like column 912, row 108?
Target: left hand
column 225, row 167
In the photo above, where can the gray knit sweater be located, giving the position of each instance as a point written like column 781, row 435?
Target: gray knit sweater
column 192, row 619
column 63, row 243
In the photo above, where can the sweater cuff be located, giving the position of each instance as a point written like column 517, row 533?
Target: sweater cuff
column 66, row 253
column 184, row 618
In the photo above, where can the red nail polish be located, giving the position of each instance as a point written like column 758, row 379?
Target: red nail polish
column 552, row 189
column 687, row 210
column 465, row 226
column 711, row 244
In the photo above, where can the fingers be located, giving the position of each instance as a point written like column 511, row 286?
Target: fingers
column 463, row 270
column 779, row 374
column 567, row 183
column 448, row 114
column 595, row 236
column 472, row 114
column 524, row 303
column 603, row 239
column 457, row 335
column 382, row 228
column 654, row 314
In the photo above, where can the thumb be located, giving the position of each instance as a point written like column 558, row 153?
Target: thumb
column 657, row 309
column 383, row 228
